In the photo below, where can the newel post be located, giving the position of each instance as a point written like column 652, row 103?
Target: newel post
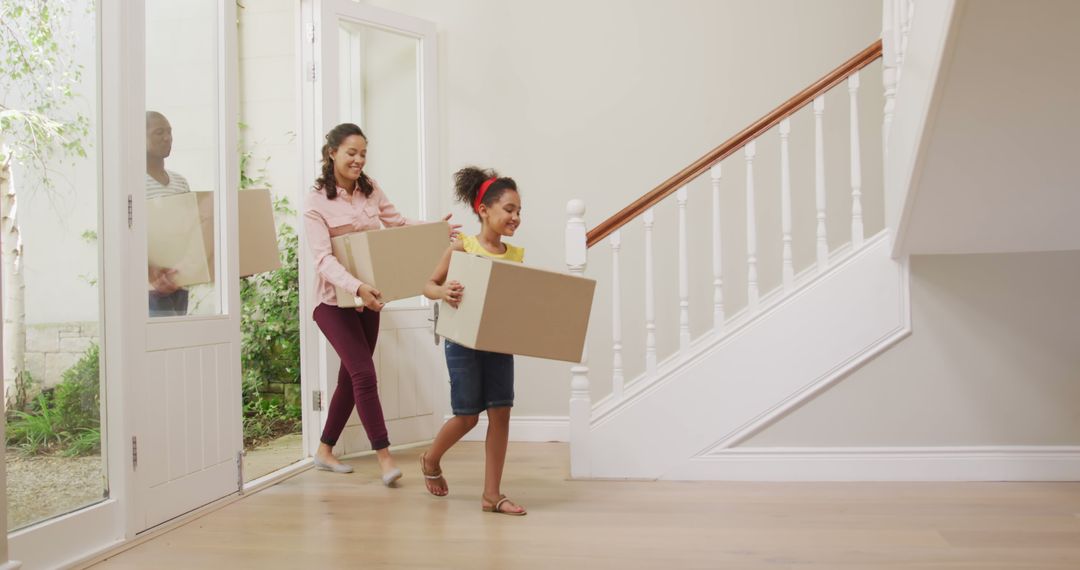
column 580, row 398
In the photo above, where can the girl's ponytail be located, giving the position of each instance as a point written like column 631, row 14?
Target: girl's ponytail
column 474, row 186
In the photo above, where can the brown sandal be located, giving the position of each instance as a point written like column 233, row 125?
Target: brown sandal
column 497, row 507
column 431, row 475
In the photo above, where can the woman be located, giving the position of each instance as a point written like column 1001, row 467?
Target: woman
column 346, row 200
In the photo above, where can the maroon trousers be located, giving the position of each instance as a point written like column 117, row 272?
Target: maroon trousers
column 353, row 335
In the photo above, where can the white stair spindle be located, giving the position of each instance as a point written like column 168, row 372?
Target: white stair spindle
column 888, row 78
column 890, row 34
column 718, row 282
column 907, row 11
column 684, row 272
column 616, row 319
column 650, row 316
column 751, row 230
column 785, row 205
column 819, row 183
column 856, row 166
column 580, row 397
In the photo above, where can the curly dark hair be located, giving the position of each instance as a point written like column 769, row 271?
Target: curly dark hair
column 334, row 138
column 468, row 180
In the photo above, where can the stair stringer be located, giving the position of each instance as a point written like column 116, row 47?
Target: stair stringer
column 749, row 379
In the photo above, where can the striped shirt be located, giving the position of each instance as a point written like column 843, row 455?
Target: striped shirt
column 177, row 185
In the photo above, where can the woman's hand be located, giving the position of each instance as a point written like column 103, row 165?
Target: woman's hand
column 370, row 296
column 455, row 229
column 451, row 293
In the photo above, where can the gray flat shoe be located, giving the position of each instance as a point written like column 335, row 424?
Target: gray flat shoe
column 337, row 468
column 391, row 477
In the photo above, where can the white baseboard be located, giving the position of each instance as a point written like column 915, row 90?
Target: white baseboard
column 982, row 463
column 527, row 428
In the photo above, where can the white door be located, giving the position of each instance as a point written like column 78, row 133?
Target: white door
column 187, row 435
column 377, row 69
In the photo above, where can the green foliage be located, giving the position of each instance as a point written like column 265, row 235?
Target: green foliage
column 270, row 343
column 35, row 432
column 265, row 418
column 78, row 396
column 270, row 315
column 38, row 78
column 66, row 420
column 86, row 441
column 248, row 177
column 24, row 388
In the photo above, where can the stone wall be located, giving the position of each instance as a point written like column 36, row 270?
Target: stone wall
column 52, row 348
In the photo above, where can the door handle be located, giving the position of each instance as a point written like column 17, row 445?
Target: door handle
column 434, row 321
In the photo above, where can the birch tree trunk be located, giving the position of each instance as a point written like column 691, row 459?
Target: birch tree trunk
column 14, row 312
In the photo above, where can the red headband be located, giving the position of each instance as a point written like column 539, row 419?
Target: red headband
column 483, row 190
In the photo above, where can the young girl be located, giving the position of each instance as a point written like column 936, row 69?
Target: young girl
column 479, row 380
column 346, row 200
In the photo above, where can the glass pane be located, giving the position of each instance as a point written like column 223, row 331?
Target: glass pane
column 380, row 91
column 182, row 157
column 271, row 300
column 51, row 248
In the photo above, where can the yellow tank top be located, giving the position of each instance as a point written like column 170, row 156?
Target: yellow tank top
column 512, row 253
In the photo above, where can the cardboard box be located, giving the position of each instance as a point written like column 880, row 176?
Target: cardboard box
column 258, row 236
column 396, row 261
column 174, row 238
column 515, row 309
column 180, row 234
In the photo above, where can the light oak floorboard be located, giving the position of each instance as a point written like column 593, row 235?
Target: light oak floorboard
column 324, row 520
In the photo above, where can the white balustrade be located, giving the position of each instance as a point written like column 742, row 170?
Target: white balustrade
column 617, row 380
column 684, row 279
column 785, row 205
column 650, row 312
column 751, row 230
column 819, row 182
column 718, row 282
column 856, row 165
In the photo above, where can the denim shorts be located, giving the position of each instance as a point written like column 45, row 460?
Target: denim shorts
column 478, row 379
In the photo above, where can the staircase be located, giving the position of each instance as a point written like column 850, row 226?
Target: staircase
column 822, row 314
column 795, row 273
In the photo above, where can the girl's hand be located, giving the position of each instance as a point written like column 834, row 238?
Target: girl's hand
column 451, row 292
column 370, row 296
column 455, row 229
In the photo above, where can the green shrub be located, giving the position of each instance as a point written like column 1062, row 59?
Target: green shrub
column 65, row 419
column 266, row 419
column 35, row 432
column 87, row 441
column 78, row 396
column 270, row 344
column 270, row 316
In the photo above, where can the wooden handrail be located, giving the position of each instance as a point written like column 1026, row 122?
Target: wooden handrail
column 669, row 186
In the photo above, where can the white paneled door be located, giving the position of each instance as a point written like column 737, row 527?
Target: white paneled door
column 187, row 433
column 413, row 383
column 376, row 69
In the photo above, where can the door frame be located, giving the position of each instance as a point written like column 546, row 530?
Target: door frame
column 81, row 534
column 318, row 91
column 191, row 331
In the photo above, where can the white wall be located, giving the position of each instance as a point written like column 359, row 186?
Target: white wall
column 268, row 93
column 992, row 360
column 995, row 169
column 602, row 100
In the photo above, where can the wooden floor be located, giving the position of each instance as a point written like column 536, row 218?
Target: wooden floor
column 321, row 520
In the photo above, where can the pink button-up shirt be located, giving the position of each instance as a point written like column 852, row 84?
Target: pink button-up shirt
column 325, row 218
